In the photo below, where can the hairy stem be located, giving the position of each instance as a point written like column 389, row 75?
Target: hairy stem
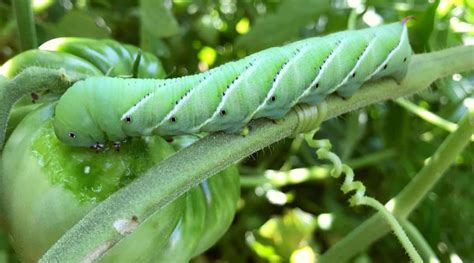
column 25, row 24
column 419, row 241
column 192, row 165
column 30, row 80
column 407, row 200
column 395, row 226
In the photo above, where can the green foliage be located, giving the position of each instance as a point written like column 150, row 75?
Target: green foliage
column 276, row 27
column 158, row 26
column 386, row 143
column 77, row 24
column 283, row 237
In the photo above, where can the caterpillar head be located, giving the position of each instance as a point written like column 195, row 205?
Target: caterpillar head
column 73, row 123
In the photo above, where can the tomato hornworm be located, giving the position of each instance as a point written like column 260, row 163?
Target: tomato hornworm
column 266, row 84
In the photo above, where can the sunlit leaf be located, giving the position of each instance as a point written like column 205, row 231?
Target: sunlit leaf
column 285, row 237
column 77, row 24
column 282, row 26
column 157, row 18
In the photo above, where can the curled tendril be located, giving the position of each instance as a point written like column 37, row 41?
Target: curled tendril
column 349, row 185
column 358, row 198
column 309, row 117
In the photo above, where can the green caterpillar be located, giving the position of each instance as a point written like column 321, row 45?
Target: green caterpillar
column 266, row 84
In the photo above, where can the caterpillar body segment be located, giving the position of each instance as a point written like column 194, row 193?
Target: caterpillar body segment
column 266, row 84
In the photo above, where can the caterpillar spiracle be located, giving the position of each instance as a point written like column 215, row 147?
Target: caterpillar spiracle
column 266, row 84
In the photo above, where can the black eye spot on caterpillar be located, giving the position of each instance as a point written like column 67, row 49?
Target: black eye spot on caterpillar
column 223, row 112
column 353, row 74
column 273, row 98
column 173, row 119
column 128, row 119
column 385, row 66
column 71, row 135
column 405, row 59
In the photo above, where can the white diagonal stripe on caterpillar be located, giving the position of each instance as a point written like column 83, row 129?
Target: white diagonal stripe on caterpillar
column 180, row 102
column 356, row 66
column 136, row 106
column 277, row 79
column 231, row 87
column 389, row 56
column 322, row 69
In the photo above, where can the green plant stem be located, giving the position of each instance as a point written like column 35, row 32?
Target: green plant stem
column 169, row 179
column 428, row 116
column 419, row 241
column 30, row 80
column 406, row 201
column 26, row 24
column 396, row 227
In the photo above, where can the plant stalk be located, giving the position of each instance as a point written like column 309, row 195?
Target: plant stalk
column 25, row 24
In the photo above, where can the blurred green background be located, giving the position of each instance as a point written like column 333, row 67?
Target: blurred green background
column 301, row 215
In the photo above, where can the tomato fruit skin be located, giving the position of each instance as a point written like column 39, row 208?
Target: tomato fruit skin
column 47, row 187
column 109, row 56
column 88, row 57
column 47, row 59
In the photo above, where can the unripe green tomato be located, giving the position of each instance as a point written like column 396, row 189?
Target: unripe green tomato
column 110, row 56
column 47, row 59
column 47, row 187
